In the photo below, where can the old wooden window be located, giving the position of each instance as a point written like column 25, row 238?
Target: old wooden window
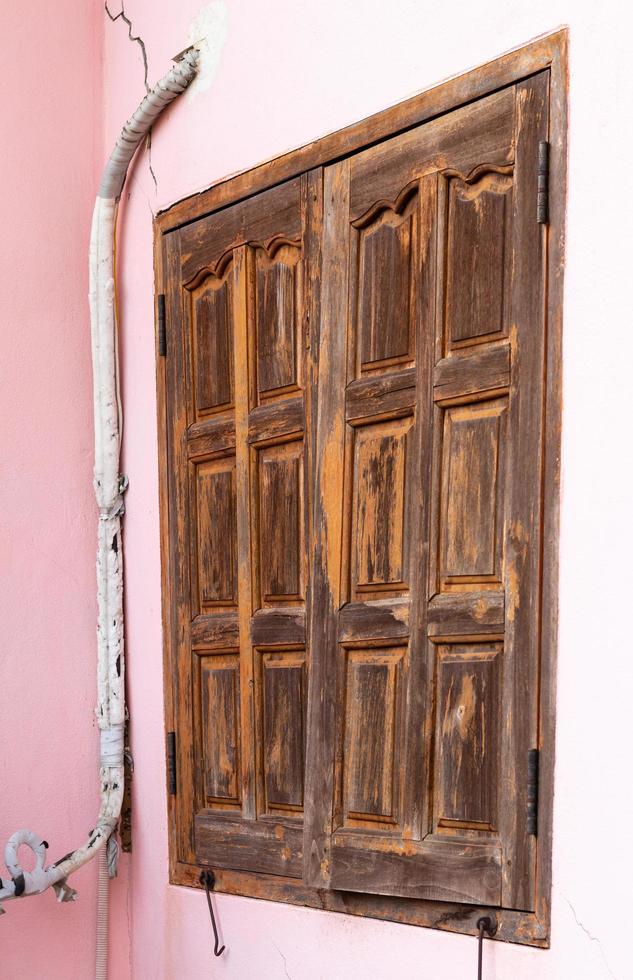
column 359, row 410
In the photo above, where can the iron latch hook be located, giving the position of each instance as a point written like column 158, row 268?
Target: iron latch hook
column 207, row 878
column 488, row 926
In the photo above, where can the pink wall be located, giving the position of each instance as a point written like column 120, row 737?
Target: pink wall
column 50, row 139
column 289, row 71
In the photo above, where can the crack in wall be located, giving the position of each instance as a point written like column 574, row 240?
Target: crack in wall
column 148, row 143
column 283, row 958
column 137, row 39
column 594, row 939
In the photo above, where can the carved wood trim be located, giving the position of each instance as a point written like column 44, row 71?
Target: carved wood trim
column 271, row 246
column 397, row 206
column 546, row 53
column 481, row 170
column 539, row 55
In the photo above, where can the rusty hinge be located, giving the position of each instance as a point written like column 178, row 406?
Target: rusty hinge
column 171, row 763
column 532, row 792
column 542, row 188
column 162, row 329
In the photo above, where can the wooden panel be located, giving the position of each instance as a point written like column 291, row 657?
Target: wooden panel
column 211, row 435
column 282, row 705
column 279, row 625
column 383, row 394
column 370, row 776
column 212, row 342
column 384, row 778
column 477, row 254
column 178, row 539
column 325, row 584
column 473, row 474
column 258, row 219
column 432, row 103
column 276, row 419
column 277, row 305
column 385, row 302
column 281, row 522
column 471, row 135
column 374, row 620
column 447, row 914
column 524, row 499
column 379, row 491
column 254, row 845
column 243, row 480
column 445, row 869
column 465, row 613
column 466, row 372
column 219, row 723
column 216, row 533
column 217, row 631
column 467, row 737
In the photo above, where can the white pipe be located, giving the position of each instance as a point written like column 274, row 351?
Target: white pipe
column 109, row 488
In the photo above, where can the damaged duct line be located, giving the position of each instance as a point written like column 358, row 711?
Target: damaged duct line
column 109, row 489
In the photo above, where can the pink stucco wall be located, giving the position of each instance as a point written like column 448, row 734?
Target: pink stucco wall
column 50, row 142
column 289, row 72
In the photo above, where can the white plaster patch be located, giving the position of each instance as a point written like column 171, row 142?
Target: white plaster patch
column 207, row 33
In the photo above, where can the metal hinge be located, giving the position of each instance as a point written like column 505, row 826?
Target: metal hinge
column 532, row 791
column 542, row 188
column 171, row 763
column 162, row 330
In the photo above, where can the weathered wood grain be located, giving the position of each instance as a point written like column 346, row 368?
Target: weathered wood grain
column 211, row 436
column 276, row 212
column 282, row 701
column 257, row 846
column 278, row 625
column 447, row 916
column 460, row 140
column 383, row 395
column 219, row 730
column 467, row 738
column 446, row 870
column 325, row 587
column 279, row 419
column 475, row 372
column 218, row 630
column 537, row 56
column 239, row 497
column 479, row 219
column 466, row 613
column 391, row 375
column 523, row 526
column 376, row 619
column 179, row 554
column 215, row 539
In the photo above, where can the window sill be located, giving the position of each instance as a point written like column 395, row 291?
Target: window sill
column 525, row 928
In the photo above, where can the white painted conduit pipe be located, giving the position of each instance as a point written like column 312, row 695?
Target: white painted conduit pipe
column 109, row 488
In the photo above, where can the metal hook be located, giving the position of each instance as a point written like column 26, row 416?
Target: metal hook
column 488, row 926
column 207, row 878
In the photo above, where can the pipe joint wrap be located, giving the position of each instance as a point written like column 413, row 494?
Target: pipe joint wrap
column 112, row 746
column 168, row 89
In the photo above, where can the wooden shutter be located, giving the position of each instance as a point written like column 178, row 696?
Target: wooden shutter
column 238, row 395
column 425, row 585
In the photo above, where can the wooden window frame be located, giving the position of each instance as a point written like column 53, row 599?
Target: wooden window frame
column 547, row 53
